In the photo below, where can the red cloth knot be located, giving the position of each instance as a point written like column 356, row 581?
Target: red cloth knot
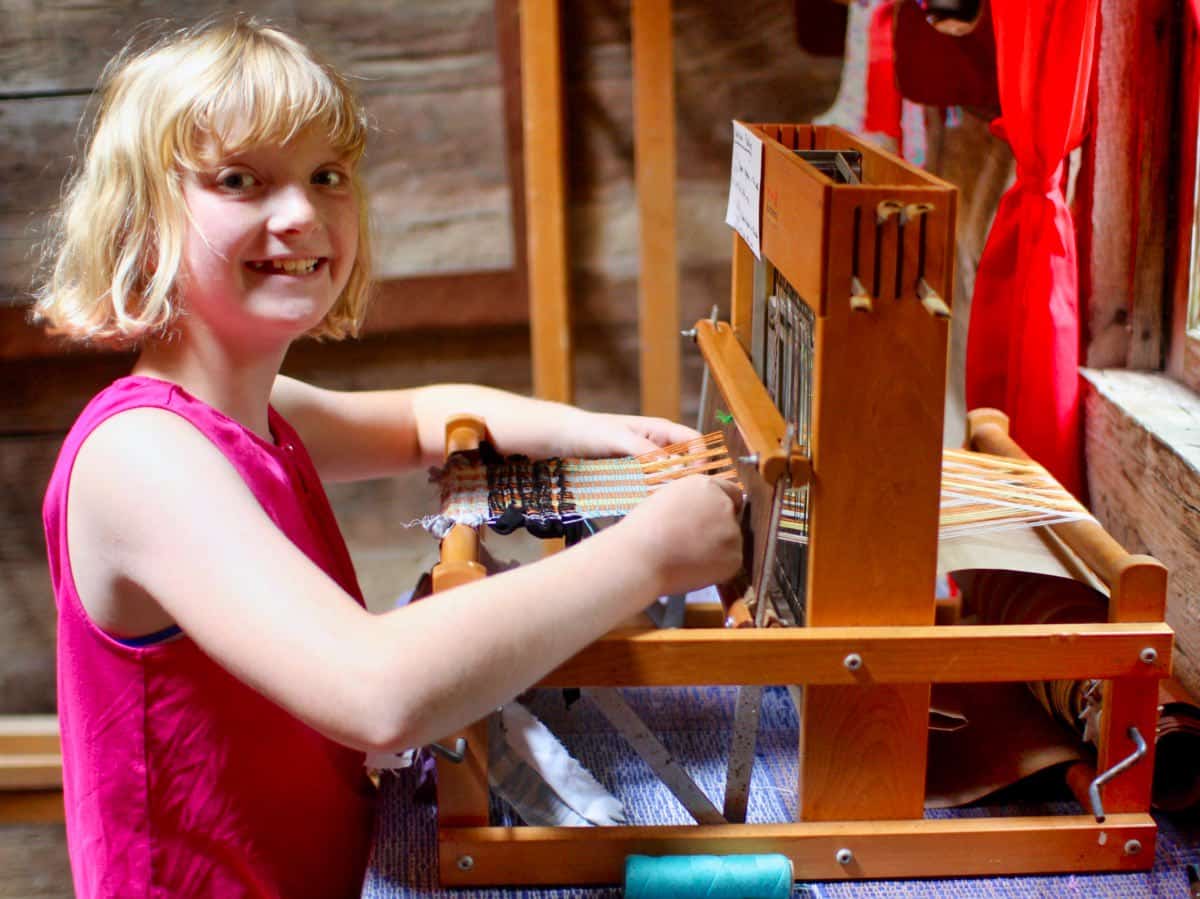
column 1047, row 184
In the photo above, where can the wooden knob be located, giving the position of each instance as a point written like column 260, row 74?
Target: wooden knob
column 464, row 432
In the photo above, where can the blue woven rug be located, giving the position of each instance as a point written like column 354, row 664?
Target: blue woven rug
column 694, row 724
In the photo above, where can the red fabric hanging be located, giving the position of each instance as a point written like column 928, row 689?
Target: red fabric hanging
column 882, row 113
column 1023, row 341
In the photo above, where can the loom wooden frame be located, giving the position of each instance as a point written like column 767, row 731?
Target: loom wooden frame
column 877, row 425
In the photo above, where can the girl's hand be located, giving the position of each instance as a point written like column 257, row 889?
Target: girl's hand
column 688, row 533
column 594, row 435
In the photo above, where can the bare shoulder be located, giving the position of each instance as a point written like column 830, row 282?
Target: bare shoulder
column 145, row 489
column 130, row 454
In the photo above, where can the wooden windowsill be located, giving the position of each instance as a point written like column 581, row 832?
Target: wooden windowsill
column 1143, row 460
column 1165, row 409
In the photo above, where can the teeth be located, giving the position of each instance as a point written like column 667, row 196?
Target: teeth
column 288, row 266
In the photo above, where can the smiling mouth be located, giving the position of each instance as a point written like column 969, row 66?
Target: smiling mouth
column 287, row 266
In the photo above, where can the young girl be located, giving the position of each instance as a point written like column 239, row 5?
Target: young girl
column 219, row 678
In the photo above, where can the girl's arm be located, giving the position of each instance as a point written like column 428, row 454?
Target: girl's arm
column 355, row 435
column 156, row 511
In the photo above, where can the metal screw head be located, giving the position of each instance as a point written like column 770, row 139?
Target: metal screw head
column 853, row 661
column 465, row 863
column 1149, row 655
column 844, row 856
column 1133, row 847
column 752, row 459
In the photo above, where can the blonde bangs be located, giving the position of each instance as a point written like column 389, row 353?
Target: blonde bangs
column 266, row 89
column 114, row 261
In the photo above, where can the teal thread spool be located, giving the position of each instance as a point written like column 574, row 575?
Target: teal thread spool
column 708, row 876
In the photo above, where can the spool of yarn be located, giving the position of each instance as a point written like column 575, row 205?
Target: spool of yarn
column 708, row 876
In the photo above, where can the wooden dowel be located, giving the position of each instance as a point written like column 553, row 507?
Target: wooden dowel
column 464, row 432
column 987, row 430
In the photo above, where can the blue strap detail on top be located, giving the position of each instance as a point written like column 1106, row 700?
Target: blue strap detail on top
column 149, row 639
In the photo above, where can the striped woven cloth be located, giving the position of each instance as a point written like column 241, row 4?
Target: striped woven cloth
column 476, row 491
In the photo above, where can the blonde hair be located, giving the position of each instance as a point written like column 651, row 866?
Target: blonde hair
column 115, row 255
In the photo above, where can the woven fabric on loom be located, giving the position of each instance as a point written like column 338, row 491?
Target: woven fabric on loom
column 694, row 724
column 979, row 492
column 476, row 492
column 479, row 487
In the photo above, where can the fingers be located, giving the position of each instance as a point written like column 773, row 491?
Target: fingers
column 733, row 491
column 639, row 445
column 668, row 432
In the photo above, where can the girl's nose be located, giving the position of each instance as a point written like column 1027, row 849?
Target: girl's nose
column 293, row 211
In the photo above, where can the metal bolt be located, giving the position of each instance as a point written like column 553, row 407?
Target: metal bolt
column 844, row 856
column 690, row 333
column 1133, row 847
column 748, row 460
column 853, row 661
column 465, row 863
column 1149, row 655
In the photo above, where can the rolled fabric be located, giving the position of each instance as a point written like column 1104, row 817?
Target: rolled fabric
column 1006, row 597
column 709, row 876
column 1177, row 749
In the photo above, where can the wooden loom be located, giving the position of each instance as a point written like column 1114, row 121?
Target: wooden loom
column 867, row 249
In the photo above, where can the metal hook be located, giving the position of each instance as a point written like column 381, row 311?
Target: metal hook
column 860, row 300
column 455, row 755
column 912, row 210
column 932, row 300
column 885, row 209
column 1104, row 777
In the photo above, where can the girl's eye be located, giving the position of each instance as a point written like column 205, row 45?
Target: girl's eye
column 237, row 181
column 330, row 178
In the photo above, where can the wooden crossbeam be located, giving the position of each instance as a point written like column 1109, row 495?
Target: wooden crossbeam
column 890, row 655
column 877, row 849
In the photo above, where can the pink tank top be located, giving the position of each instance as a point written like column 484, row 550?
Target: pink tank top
column 179, row 780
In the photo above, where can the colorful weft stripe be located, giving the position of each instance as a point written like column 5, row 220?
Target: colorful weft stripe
column 476, row 492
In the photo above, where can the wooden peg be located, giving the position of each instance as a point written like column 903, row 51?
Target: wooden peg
column 464, row 432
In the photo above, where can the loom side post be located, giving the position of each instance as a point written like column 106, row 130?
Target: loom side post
column 1138, row 590
column 462, row 787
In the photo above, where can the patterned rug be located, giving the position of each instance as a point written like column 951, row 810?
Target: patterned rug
column 694, row 724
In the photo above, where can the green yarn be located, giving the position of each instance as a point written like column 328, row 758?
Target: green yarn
column 708, row 877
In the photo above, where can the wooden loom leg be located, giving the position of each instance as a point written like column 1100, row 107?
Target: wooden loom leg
column 1138, row 594
column 862, row 752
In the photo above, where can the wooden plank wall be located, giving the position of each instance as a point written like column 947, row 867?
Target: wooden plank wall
column 1124, row 213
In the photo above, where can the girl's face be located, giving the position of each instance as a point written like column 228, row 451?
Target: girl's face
column 271, row 241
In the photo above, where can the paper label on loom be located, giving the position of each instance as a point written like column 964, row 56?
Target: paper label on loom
column 745, row 187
